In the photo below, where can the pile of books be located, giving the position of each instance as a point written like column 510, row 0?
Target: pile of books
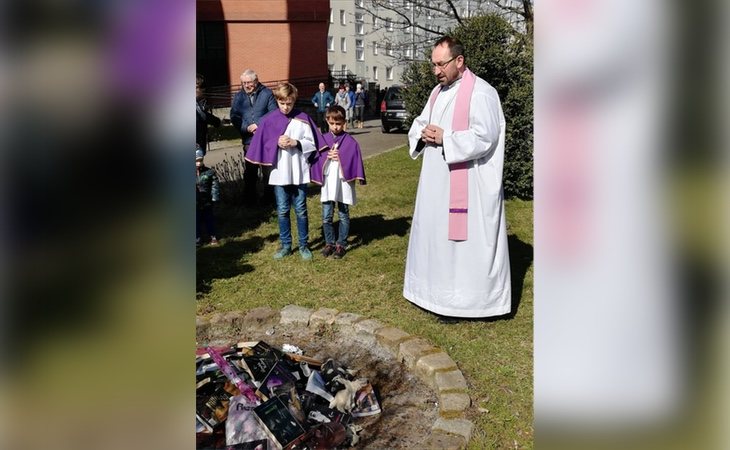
column 254, row 396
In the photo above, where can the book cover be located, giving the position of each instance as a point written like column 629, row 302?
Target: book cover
column 366, row 403
column 279, row 423
column 242, row 427
column 259, row 360
column 278, row 381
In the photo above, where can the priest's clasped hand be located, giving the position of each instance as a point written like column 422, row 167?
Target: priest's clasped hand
column 431, row 134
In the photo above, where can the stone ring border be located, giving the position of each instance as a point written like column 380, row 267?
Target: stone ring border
column 429, row 363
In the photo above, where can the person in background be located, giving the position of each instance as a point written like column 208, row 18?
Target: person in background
column 322, row 100
column 285, row 141
column 351, row 110
column 361, row 98
column 207, row 192
column 204, row 116
column 249, row 106
column 343, row 100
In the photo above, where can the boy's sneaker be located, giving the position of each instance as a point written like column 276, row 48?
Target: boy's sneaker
column 283, row 251
column 213, row 241
column 305, row 253
column 328, row 250
column 339, row 252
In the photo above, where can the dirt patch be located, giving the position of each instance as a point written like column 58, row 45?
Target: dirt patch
column 409, row 406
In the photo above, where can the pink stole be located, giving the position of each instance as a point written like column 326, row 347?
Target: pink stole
column 458, row 172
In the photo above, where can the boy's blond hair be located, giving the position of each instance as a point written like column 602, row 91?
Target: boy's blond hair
column 284, row 91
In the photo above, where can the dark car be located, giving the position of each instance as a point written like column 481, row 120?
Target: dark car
column 392, row 109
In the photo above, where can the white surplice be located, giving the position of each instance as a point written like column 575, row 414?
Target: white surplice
column 460, row 278
column 292, row 166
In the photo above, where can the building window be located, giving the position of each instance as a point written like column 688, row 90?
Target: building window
column 359, row 50
column 343, row 17
column 330, row 67
column 343, row 45
column 359, row 24
column 409, row 29
column 388, row 73
column 375, row 23
column 344, row 69
column 375, row 73
column 407, row 4
column 360, row 3
column 375, row 48
column 332, row 16
column 388, row 49
column 409, row 52
column 330, row 43
column 388, row 24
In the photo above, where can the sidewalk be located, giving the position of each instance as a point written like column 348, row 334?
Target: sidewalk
column 371, row 139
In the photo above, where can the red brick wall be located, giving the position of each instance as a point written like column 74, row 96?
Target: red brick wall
column 279, row 39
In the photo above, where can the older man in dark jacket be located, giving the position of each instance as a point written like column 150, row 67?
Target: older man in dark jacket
column 249, row 105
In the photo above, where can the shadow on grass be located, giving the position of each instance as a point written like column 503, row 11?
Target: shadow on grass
column 234, row 220
column 364, row 230
column 225, row 261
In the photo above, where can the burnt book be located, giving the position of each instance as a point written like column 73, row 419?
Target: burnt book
column 280, row 424
column 242, row 427
column 317, row 410
column 211, row 403
column 366, row 402
column 278, row 381
column 259, row 360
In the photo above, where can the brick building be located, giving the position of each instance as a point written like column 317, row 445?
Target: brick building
column 279, row 39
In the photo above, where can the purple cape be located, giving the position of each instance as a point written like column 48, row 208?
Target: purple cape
column 264, row 148
column 350, row 159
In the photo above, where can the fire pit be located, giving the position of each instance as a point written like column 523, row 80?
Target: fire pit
column 421, row 391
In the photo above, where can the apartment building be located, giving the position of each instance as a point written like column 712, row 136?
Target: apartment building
column 374, row 40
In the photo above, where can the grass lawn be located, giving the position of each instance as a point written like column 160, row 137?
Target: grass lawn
column 495, row 355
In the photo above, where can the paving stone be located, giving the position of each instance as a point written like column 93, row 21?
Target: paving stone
column 442, row 440
column 217, row 319
column 458, row 427
column 453, row 404
column 323, row 316
column 452, row 381
column 235, row 318
column 411, row 350
column 292, row 314
column 428, row 365
column 390, row 338
column 368, row 326
column 348, row 318
column 261, row 319
column 202, row 329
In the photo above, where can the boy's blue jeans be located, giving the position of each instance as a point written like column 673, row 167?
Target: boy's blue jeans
column 286, row 197
column 328, row 212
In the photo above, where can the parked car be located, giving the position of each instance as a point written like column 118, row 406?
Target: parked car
column 392, row 109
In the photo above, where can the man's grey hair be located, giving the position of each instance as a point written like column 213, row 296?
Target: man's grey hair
column 249, row 73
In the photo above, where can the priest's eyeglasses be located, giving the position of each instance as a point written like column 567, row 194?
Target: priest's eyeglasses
column 442, row 65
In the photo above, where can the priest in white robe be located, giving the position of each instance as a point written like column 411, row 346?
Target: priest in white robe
column 458, row 261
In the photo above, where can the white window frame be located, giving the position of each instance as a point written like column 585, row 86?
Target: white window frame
column 359, row 50
column 330, row 43
column 389, row 49
column 343, row 67
column 343, row 44
column 388, row 73
column 388, row 24
column 332, row 15
column 409, row 52
column 343, row 17
column 375, row 48
column 360, row 3
column 375, row 73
